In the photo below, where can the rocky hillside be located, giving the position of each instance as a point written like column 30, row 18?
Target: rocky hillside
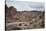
column 17, row 20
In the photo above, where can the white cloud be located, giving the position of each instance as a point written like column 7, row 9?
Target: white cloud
column 23, row 5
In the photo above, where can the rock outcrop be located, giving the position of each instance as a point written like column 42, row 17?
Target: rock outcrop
column 10, row 13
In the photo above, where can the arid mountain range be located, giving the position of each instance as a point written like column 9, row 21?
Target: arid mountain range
column 17, row 20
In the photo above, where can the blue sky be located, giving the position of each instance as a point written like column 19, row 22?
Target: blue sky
column 25, row 5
